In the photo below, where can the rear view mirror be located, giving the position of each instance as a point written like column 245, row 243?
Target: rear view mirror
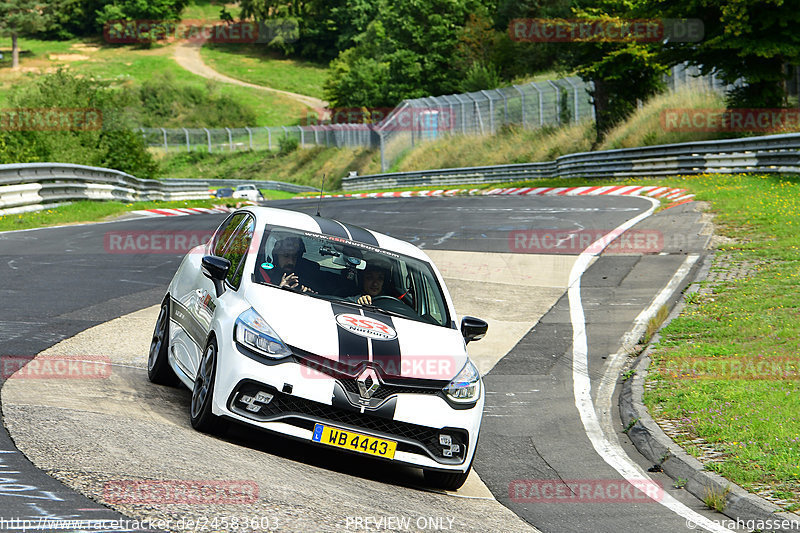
column 216, row 269
column 473, row 329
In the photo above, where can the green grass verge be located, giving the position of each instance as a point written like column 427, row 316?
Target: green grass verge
column 94, row 211
column 727, row 369
column 256, row 64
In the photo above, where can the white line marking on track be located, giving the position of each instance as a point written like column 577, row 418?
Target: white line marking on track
column 611, row 453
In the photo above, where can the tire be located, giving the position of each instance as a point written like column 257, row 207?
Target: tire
column 446, row 480
column 158, row 369
column 200, row 414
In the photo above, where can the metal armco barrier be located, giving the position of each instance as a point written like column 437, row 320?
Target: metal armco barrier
column 31, row 184
column 261, row 184
column 768, row 154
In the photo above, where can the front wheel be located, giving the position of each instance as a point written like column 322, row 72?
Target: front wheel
column 446, row 480
column 203, row 394
column 158, row 369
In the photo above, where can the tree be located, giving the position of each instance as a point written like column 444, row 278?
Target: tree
column 406, row 52
column 622, row 71
column 20, row 18
column 751, row 40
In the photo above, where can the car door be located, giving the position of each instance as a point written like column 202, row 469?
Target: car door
column 232, row 244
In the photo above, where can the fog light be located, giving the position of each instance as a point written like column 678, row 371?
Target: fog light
column 254, row 403
column 448, row 447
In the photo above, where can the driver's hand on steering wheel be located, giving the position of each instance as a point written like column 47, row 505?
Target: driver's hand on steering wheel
column 365, row 300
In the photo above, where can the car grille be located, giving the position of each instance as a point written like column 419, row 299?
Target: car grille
column 384, row 391
column 304, row 413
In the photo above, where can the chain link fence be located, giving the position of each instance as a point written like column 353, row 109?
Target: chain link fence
column 531, row 105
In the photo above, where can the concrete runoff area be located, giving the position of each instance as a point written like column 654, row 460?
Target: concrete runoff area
column 91, row 432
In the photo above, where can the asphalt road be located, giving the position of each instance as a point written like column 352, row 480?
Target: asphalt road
column 58, row 282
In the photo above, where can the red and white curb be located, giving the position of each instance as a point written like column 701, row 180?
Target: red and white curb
column 667, row 193
column 181, row 211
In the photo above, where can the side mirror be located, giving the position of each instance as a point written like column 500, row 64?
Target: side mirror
column 216, row 269
column 473, row 329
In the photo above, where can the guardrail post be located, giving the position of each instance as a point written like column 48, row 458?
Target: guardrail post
column 269, row 139
column 188, row 146
column 208, row 138
column 250, row 135
column 166, row 146
column 302, row 137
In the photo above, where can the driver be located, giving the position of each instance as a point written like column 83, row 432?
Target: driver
column 291, row 267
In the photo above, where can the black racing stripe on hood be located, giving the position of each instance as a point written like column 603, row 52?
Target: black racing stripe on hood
column 386, row 354
column 360, row 234
column 330, row 227
column 353, row 348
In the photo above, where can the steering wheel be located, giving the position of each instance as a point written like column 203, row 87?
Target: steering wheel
column 386, row 297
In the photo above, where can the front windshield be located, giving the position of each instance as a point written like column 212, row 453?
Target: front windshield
column 337, row 269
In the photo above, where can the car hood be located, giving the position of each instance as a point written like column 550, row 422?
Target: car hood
column 349, row 335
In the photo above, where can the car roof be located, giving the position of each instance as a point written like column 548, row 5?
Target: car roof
column 329, row 226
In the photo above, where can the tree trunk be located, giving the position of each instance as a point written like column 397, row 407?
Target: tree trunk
column 14, row 51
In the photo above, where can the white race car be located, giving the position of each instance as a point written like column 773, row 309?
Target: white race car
column 248, row 192
column 326, row 332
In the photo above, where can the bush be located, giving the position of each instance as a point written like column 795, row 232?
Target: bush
column 166, row 103
column 287, row 145
column 113, row 144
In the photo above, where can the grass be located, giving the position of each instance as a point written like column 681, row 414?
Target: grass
column 744, row 337
column 208, row 9
column 303, row 166
column 716, row 500
column 254, row 63
column 125, row 64
column 94, row 211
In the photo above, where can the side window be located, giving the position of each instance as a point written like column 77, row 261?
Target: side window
column 236, row 251
column 224, row 233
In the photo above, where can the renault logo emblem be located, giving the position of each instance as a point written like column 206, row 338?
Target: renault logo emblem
column 367, row 383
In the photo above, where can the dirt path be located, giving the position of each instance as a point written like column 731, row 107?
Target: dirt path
column 187, row 55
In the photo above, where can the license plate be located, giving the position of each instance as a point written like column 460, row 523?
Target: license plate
column 350, row 440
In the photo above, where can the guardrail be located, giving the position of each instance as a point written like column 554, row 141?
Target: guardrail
column 770, row 153
column 263, row 184
column 27, row 185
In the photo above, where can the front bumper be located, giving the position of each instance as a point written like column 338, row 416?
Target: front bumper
column 300, row 397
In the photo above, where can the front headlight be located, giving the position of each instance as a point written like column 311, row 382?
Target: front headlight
column 252, row 331
column 466, row 386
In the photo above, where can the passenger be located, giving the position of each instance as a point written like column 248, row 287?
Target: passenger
column 372, row 281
